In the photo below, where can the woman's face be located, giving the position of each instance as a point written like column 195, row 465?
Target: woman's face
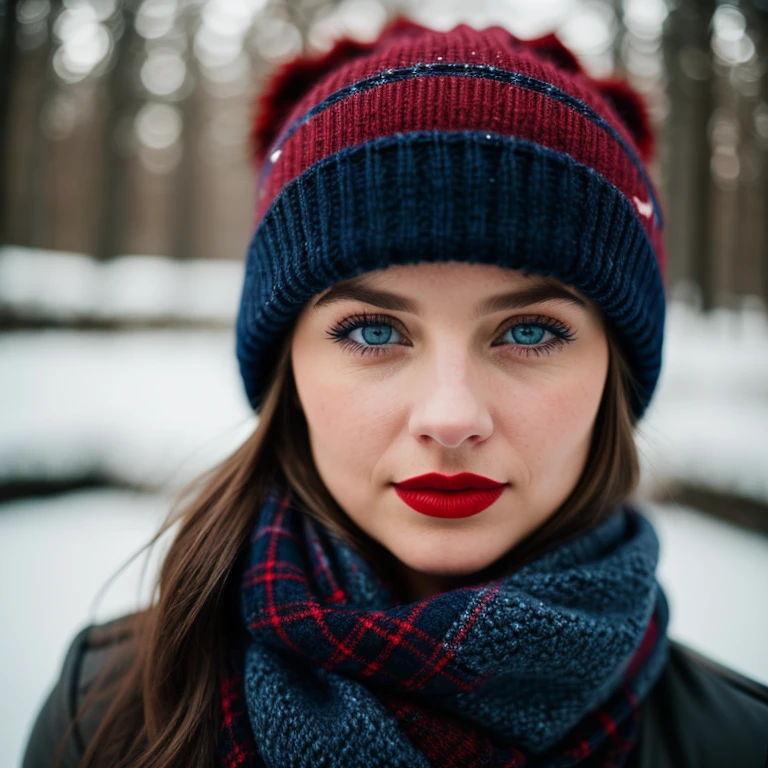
column 449, row 368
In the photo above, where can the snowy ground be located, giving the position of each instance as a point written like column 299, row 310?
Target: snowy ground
column 708, row 422
column 57, row 553
column 61, row 287
column 140, row 408
column 55, row 556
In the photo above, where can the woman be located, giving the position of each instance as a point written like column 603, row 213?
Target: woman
column 451, row 321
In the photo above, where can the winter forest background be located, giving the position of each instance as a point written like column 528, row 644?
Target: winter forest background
column 125, row 213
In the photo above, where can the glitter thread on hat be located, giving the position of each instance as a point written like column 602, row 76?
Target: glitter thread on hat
column 461, row 145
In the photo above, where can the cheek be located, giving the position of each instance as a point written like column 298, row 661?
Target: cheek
column 553, row 429
column 350, row 422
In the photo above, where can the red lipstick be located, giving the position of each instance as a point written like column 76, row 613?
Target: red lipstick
column 449, row 496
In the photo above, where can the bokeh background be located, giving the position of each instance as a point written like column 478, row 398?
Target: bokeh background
column 126, row 205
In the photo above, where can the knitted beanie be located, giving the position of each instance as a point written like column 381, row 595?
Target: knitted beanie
column 466, row 145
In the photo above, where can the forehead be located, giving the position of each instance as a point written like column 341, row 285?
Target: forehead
column 467, row 274
column 406, row 288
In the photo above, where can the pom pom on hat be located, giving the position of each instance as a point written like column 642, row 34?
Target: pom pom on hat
column 286, row 87
column 633, row 112
column 551, row 48
column 293, row 79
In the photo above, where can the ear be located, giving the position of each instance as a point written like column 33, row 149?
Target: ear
column 632, row 108
column 292, row 80
column 551, row 48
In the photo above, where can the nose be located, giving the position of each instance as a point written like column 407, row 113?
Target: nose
column 451, row 406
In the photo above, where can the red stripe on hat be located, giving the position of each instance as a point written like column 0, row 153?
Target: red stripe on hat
column 457, row 103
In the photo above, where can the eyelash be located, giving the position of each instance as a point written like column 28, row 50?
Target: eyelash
column 561, row 334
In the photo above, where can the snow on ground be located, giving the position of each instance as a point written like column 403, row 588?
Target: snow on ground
column 64, row 287
column 57, row 553
column 142, row 408
column 708, row 422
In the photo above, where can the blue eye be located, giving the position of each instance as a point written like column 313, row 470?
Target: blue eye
column 529, row 334
column 373, row 335
column 366, row 334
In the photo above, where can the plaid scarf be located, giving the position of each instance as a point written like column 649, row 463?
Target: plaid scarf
column 544, row 667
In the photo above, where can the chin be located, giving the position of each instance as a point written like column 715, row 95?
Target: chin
column 448, row 563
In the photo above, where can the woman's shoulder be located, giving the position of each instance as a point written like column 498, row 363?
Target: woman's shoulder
column 95, row 649
column 703, row 714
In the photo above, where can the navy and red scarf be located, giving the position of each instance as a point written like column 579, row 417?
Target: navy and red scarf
column 544, row 667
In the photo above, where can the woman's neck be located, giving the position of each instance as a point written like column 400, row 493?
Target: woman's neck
column 416, row 585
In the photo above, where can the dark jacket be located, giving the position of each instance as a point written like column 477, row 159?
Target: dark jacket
column 698, row 715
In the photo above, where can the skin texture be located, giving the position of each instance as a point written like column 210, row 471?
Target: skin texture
column 449, row 391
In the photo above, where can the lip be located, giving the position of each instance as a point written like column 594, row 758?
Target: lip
column 449, row 496
column 433, row 481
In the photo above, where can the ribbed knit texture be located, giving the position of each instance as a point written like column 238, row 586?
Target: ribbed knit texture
column 467, row 145
column 544, row 667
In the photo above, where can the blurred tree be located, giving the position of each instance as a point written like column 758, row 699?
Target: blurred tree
column 120, row 103
column 688, row 61
column 7, row 56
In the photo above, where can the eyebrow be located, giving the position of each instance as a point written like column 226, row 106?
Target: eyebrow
column 536, row 294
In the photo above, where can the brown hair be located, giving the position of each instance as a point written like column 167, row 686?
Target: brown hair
column 162, row 711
